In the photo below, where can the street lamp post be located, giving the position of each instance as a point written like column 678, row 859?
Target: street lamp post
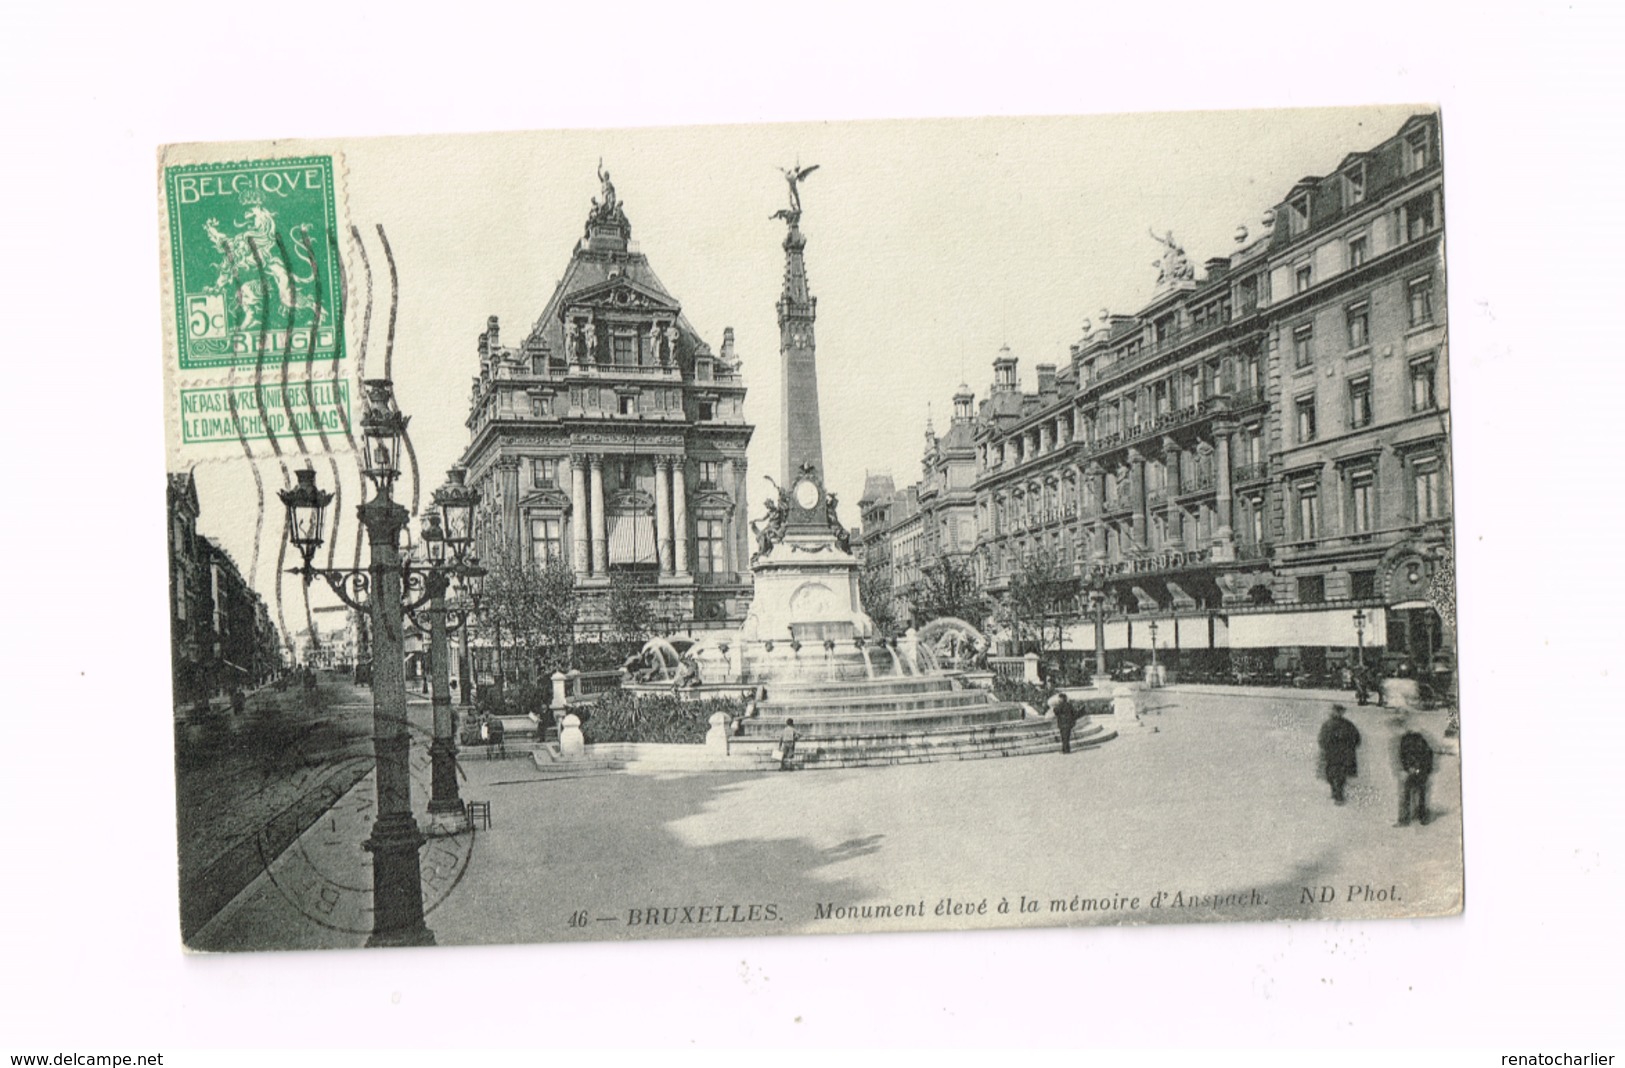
column 1097, row 601
column 467, row 603
column 1359, row 636
column 1153, row 649
column 397, row 880
column 456, row 503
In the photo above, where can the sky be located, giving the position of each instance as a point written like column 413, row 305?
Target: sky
column 930, row 244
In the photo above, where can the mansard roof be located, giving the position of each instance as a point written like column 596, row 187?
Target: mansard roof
column 597, row 273
column 877, row 487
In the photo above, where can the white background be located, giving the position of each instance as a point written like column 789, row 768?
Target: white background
column 88, row 934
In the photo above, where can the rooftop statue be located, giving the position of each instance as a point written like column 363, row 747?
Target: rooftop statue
column 607, row 188
column 1174, row 266
column 794, row 176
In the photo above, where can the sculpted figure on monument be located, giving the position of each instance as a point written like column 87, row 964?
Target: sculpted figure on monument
column 589, row 330
column 843, row 537
column 609, row 205
column 769, row 530
column 794, row 176
column 1174, row 266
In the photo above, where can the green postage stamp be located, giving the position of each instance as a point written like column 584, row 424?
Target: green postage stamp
column 254, row 255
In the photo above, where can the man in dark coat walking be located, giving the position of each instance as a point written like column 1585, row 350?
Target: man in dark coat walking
column 1066, row 718
column 1338, row 740
column 1415, row 768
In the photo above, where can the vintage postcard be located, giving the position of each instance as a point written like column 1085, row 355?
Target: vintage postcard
column 804, row 529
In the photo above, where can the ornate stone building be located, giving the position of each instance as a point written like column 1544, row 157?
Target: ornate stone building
column 613, row 437
column 221, row 634
column 1258, row 459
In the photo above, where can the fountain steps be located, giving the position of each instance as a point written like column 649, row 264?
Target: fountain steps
column 890, row 684
column 1018, row 738
column 836, row 721
column 819, row 704
column 1031, row 739
column 1010, row 734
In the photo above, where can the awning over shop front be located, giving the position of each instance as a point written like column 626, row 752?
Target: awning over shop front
column 1327, row 627
column 632, row 540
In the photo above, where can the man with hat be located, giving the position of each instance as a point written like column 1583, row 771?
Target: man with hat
column 1338, row 741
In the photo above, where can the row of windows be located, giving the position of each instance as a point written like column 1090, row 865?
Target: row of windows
column 624, row 402
column 1357, row 322
column 1423, row 398
column 1418, row 218
column 1351, row 186
column 710, row 537
column 544, row 472
column 1425, row 501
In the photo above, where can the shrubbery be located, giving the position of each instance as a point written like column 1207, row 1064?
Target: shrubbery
column 622, row 717
column 1038, row 696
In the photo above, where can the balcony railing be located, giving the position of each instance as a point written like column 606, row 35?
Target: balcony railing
column 716, row 578
column 1255, row 551
column 1196, row 484
column 1251, row 472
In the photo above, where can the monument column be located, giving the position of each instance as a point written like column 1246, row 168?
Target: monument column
column 580, row 561
column 679, row 508
column 798, row 309
column 663, row 511
column 600, row 535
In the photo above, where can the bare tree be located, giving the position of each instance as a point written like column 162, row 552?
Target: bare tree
column 1043, row 592
column 874, row 591
column 949, row 588
column 533, row 607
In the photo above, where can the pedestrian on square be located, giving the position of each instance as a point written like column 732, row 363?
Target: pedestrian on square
column 1338, row 741
column 1066, row 717
column 1415, row 768
column 787, row 744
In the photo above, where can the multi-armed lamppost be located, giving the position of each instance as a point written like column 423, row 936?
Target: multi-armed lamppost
column 397, row 885
column 456, row 502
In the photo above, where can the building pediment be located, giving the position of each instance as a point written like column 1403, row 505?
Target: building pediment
column 546, row 498
column 713, row 500
column 622, row 294
column 632, row 501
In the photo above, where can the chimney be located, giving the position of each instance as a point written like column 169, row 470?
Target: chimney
column 1218, row 267
column 1046, row 379
column 492, row 330
column 727, row 346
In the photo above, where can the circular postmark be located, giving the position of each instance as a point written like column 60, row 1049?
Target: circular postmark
column 325, row 871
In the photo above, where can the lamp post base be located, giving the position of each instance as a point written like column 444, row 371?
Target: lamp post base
column 415, row 936
column 446, row 819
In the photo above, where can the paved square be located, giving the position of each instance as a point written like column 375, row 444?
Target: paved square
column 1214, row 803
